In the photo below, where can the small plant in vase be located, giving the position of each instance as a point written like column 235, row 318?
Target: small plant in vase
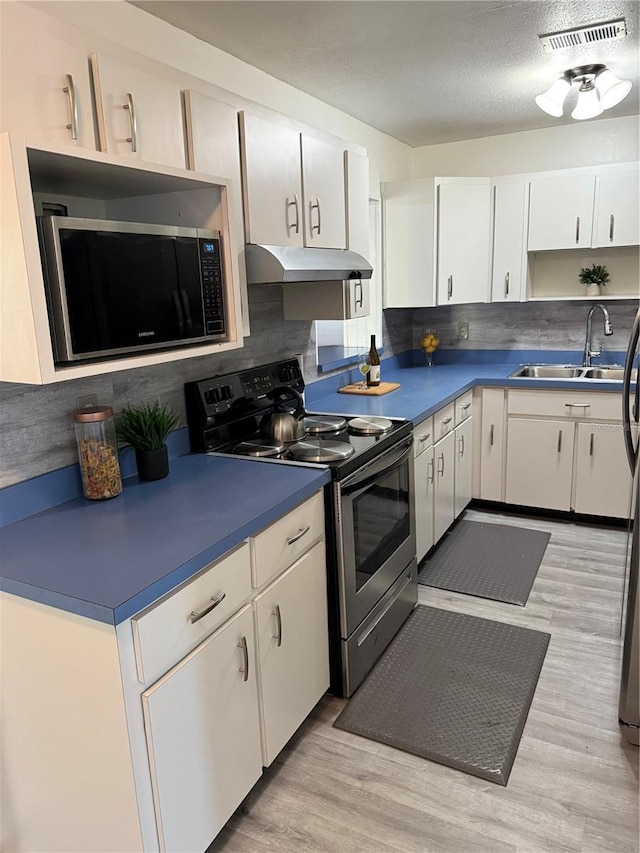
column 594, row 277
column 145, row 428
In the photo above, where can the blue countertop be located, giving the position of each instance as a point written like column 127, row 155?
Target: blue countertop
column 423, row 390
column 109, row 559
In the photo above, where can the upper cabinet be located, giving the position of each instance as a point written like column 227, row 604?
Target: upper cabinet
column 139, row 115
column 293, row 186
column 561, row 212
column 463, row 245
column 508, row 269
column 356, row 172
column 45, row 89
column 616, row 221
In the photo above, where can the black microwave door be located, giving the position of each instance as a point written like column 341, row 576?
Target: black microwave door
column 129, row 290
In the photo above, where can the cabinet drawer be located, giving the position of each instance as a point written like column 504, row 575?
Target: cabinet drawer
column 422, row 437
column 169, row 629
column 280, row 545
column 463, row 406
column 568, row 404
column 443, row 421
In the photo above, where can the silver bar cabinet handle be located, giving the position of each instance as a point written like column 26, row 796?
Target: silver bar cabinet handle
column 559, row 441
column 578, row 405
column 315, row 205
column 591, row 445
column 612, row 221
column 70, row 90
column 506, row 284
column 465, row 406
column 196, row 615
column 424, row 438
column 450, row 287
column 461, row 446
column 278, row 635
column 441, row 459
column 301, row 532
column 577, row 229
column 491, row 431
column 432, row 467
column 244, row 669
column 360, row 301
column 446, row 421
column 294, row 203
column 133, row 139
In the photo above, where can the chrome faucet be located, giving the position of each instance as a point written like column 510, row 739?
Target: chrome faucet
column 589, row 352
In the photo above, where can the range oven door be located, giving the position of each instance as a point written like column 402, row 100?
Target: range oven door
column 376, row 531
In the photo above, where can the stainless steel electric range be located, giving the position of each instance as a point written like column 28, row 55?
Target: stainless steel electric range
column 369, row 504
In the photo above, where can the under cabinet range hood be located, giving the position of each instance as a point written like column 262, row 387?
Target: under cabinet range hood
column 289, row 264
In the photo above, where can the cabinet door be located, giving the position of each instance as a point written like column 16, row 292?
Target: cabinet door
column 408, row 218
column 424, row 476
column 561, row 212
column 539, row 463
column 492, row 444
column 139, row 115
column 323, row 190
column 464, row 214
column 203, row 736
column 603, row 478
column 45, row 89
column 509, row 241
column 463, row 465
column 444, row 460
column 272, row 182
column 616, row 221
column 356, row 168
column 291, row 626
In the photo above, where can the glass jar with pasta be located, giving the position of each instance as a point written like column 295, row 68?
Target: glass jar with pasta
column 98, row 452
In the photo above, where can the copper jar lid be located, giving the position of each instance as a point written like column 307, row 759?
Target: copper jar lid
column 93, row 414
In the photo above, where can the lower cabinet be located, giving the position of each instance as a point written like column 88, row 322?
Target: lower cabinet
column 203, row 736
column 491, row 450
column 291, row 629
column 602, row 479
column 463, row 475
column 539, row 463
column 424, row 480
column 444, row 495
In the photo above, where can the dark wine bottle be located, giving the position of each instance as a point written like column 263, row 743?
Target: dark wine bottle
column 373, row 376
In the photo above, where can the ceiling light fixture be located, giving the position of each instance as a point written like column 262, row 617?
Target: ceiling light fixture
column 598, row 89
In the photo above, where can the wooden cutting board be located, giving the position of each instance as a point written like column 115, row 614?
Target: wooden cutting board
column 376, row 391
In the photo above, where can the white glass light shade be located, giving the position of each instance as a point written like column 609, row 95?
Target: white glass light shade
column 552, row 100
column 588, row 105
column 611, row 89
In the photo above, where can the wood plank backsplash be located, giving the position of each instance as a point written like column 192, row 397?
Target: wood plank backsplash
column 36, row 424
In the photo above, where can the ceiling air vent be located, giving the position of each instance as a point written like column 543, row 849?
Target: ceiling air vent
column 616, row 29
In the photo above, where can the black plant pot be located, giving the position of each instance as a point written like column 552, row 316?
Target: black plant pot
column 152, row 464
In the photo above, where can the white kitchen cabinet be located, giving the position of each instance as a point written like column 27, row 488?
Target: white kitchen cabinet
column 602, row 475
column 508, row 265
column 139, row 115
column 539, row 463
column 616, row 219
column 334, row 300
column 463, row 476
column 444, row 490
column 293, row 185
column 356, row 170
column 292, row 639
column 45, row 90
column 492, row 435
column 424, row 479
column 203, row 736
column 323, row 189
column 561, row 212
column 463, row 240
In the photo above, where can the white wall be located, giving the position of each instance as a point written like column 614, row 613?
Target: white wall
column 589, row 143
column 117, row 22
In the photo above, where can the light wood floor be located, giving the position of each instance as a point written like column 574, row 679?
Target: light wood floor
column 574, row 783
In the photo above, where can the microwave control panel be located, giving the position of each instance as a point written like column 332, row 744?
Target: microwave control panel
column 212, row 287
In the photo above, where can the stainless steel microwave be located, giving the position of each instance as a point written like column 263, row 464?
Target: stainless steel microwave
column 119, row 288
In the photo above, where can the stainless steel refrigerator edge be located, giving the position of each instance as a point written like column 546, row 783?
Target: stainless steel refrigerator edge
column 628, row 710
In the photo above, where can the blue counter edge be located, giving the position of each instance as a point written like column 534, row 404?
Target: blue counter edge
column 113, row 616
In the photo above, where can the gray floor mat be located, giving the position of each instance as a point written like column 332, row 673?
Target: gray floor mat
column 452, row 688
column 495, row 561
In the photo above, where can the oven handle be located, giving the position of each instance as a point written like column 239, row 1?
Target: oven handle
column 389, row 461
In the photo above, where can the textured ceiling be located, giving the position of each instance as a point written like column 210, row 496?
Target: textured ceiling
column 424, row 71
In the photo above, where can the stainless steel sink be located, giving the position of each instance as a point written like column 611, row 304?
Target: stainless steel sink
column 548, row 371
column 609, row 373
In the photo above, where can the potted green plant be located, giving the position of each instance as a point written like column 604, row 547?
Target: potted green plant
column 145, row 428
column 595, row 277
